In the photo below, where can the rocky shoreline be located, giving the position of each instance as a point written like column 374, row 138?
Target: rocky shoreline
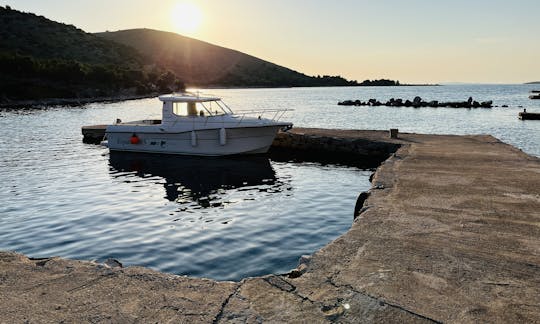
column 418, row 102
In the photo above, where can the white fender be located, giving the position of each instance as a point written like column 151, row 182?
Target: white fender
column 222, row 136
column 193, row 138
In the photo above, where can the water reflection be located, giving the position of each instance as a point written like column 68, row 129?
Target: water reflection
column 201, row 180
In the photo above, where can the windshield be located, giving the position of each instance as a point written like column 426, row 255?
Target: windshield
column 193, row 109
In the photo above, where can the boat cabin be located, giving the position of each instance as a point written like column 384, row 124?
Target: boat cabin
column 190, row 105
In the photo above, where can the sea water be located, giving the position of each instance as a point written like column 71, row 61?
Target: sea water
column 225, row 218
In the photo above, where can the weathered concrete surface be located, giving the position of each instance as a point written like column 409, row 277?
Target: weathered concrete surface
column 450, row 232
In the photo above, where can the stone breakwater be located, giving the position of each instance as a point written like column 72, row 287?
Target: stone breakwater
column 301, row 144
column 417, row 102
column 448, row 233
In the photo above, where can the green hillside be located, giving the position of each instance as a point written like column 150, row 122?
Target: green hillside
column 40, row 58
column 41, row 38
column 199, row 63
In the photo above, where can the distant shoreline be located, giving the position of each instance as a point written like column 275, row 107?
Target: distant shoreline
column 51, row 102
column 328, row 86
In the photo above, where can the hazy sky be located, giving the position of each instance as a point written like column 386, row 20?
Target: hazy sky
column 414, row 41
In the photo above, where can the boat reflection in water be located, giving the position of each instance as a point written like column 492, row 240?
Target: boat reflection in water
column 202, row 180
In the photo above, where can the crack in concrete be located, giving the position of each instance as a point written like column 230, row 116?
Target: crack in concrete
column 380, row 300
column 92, row 282
column 280, row 283
column 331, row 311
column 181, row 310
column 225, row 302
column 41, row 261
column 48, row 282
column 292, row 289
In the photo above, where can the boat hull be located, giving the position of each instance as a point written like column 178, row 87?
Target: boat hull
column 207, row 142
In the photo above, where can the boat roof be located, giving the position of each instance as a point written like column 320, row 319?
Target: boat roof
column 186, row 97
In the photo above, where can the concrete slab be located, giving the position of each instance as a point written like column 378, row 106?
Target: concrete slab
column 449, row 233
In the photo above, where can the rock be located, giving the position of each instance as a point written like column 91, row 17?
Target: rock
column 360, row 203
column 486, row 104
column 418, row 102
column 302, row 267
column 305, row 259
column 300, row 270
column 346, row 103
column 504, row 106
column 112, row 263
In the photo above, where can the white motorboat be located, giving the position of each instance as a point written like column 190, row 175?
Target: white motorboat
column 198, row 125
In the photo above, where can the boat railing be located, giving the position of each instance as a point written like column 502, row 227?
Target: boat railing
column 277, row 113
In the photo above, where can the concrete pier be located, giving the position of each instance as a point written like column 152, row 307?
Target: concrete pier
column 93, row 134
column 450, row 232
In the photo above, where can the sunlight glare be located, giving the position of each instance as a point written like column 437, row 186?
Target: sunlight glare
column 186, row 17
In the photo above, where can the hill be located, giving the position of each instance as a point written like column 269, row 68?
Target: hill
column 199, row 63
column 40, row 58
column 41, row 38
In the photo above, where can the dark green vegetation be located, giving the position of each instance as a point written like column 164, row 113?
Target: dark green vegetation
column 379, row 83
column 40, row 59
column 388, row 83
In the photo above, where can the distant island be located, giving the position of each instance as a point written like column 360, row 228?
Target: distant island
column 41, row 59
column 388, row 83
column 533, row 82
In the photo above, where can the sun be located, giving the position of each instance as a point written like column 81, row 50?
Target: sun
column 186, row 17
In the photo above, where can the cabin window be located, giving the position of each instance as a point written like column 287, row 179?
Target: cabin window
column 193, row 109
column 212, row 107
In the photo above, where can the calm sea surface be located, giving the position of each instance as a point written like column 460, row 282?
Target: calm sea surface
column 218, row 218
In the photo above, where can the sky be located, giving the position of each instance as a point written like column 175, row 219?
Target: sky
column 413, row 41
